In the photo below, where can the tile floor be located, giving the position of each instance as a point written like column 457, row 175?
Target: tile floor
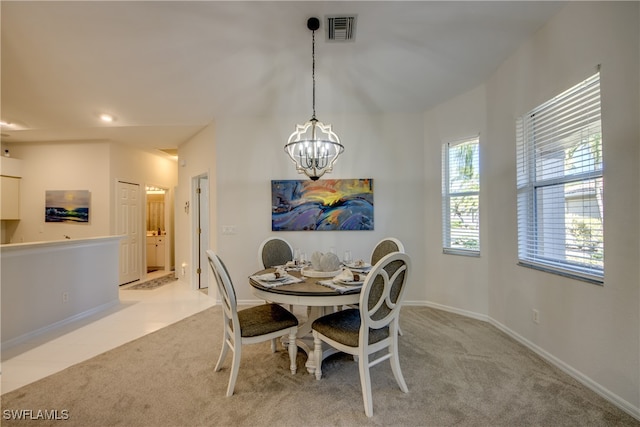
column 139, row 312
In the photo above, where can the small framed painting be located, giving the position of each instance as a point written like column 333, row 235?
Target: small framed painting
column 67, row 206
column 323, row 205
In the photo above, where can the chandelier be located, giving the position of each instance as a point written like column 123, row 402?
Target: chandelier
column 313, row 147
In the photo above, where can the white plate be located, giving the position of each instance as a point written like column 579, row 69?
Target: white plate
column 353, row 266
column 271, row 277
column 310, row 272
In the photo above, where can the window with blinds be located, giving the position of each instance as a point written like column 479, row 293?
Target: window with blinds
column 461, row 197
column 560, row 185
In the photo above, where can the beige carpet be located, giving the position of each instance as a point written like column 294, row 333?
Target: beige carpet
column 459, row 371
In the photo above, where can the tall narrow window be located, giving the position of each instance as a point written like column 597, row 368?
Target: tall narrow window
column 460, row 197
column 560, row 184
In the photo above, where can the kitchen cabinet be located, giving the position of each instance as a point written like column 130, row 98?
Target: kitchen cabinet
column 155, row 251
column 10, row 198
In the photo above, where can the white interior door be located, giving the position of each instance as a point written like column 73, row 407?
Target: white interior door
column 128, row 225
column 201, row 231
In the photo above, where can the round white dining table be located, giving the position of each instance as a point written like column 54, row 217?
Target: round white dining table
column 318, row 299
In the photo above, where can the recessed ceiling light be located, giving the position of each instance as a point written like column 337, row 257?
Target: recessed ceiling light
column 108, row 118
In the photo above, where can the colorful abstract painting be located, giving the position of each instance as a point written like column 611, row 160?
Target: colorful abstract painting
column 327, row 204
column 67, row 206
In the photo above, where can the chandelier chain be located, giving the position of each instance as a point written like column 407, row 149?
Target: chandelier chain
column 313, row 147
column 313, row 71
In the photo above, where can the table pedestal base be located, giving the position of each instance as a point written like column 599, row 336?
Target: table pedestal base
column 304, row 338
column 318, row 300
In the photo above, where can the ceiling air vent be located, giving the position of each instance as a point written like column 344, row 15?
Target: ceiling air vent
column 341, row 28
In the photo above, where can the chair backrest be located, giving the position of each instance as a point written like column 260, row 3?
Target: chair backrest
column 227, row 293
column 384, row 247
column 274, row 251
column 383, row 292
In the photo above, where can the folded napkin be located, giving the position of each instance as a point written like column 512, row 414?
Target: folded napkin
column 286, row 280
column 293, row 266
column 347, row 275
column 325, row 262
column 339, row 287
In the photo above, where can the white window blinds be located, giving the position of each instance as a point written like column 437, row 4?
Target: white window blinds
column 461, row 197
column 560, row 185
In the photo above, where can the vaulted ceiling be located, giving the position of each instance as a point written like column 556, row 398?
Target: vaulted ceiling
column 166, row 69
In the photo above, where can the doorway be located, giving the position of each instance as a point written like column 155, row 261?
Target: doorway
column 128, row 225
column 156, row 229
column 200, row 231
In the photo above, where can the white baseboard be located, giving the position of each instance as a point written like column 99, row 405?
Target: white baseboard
column 455, row 310
column 29, row 335
column 621, row 403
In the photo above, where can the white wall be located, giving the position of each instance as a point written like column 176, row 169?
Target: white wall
column 86, row 165
column 457, row 282
column 249, row 153
column 62, row 166
column 196, row 157
column 48, row 284
column 592, row 329
column 145, row 168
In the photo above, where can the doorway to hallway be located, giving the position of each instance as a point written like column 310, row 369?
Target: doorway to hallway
column 200, row 231
column 128, row 226
column 157, row 239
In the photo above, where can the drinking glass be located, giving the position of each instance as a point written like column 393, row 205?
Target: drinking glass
column 347, row 257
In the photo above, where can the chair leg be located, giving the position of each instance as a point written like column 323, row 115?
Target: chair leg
column 395, row 366
column 293, row 349
column 273, row 345
column 317, row 354
column 365, row 383
column 235, row 366
column 223, row 354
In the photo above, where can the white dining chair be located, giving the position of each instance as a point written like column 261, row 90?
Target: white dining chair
column 265, row 322
column 274, row 251
column 372, row 327
column 384, row 247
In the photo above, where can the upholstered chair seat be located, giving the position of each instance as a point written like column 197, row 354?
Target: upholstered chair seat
column 265, row 319
column 344, row 327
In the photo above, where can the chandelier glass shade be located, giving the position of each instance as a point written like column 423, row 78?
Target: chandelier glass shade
column 313, row 147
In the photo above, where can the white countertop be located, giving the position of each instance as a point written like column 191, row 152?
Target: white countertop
column 53, row 243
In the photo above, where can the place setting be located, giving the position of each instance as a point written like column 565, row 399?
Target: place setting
column 357, row 266
column 298, row 262
column 278, row 277
column 349, row 277
column 345, row 281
